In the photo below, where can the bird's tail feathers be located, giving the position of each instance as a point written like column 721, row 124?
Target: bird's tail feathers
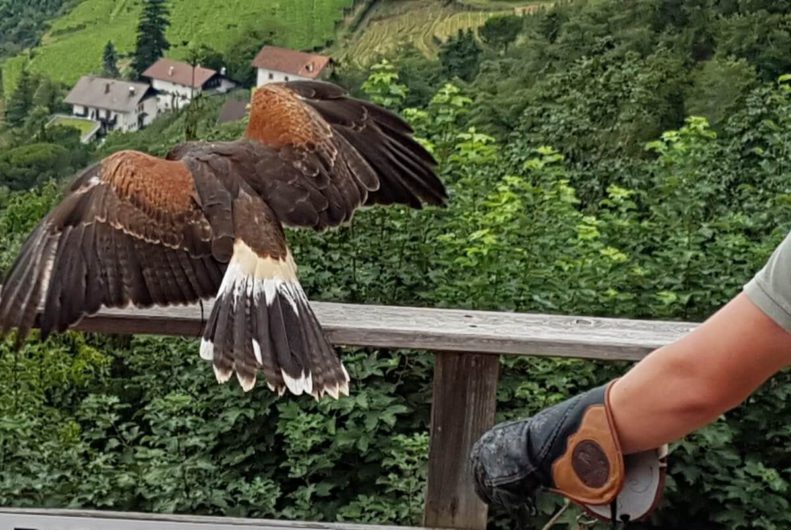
column 262, row 321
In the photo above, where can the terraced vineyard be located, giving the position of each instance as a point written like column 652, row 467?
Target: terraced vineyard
column 517, row 5
column 392, row 24
column 73, row 46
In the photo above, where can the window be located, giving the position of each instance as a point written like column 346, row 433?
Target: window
column 286, row 78
column 271, row 76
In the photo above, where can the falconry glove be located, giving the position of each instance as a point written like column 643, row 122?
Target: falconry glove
column 572, row 449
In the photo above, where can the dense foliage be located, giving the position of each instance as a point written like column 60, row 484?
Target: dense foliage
column 687, row 49
column 501, row 31
column 31, row 151
column 460, row 56
column 585, row 186
column 21, row 23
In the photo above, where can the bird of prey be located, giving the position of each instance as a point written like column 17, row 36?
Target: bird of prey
column 207, row 220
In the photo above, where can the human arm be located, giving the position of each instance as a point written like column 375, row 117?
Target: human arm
column 578, row 448
column 689, row 383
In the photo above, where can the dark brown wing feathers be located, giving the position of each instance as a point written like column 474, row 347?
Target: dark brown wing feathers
column 128, row 231
column 344, row 151
column 384, row 139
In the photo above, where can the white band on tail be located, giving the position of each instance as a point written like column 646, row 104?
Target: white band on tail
column 251, row 277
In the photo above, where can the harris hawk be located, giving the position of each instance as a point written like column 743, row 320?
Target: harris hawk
column 207, row 220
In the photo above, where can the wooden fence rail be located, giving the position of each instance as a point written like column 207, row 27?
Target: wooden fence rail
column 467, row 345
column 49, row 519
column 456, row 330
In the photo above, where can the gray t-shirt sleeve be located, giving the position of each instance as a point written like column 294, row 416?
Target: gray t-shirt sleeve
column 770, row 289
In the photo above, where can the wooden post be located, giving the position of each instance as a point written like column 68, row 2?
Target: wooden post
column 464, row 402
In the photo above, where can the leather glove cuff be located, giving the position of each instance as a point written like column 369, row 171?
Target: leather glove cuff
column 572, row 449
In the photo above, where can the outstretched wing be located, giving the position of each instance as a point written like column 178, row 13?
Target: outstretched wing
column 325, row 154
column 129, row 231
column 135, row 229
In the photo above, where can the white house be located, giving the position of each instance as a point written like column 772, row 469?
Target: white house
column 177, row 82
column 281, row 64
column 116, row 104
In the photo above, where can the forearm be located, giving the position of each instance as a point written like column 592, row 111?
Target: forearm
column 575, row 448
column 688, row 384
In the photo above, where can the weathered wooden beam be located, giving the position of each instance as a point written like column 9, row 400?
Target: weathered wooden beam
column 463, row 408
column 43, row 519
column 434, row 329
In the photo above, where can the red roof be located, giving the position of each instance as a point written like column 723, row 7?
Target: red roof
column 178, row 72
column 292, row 62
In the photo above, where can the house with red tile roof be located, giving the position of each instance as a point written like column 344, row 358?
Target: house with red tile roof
column 276, row 64
column 178, row 82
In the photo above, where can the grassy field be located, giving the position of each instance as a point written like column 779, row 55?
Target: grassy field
column 73, row 45
column 393, row 23
column 83, row 125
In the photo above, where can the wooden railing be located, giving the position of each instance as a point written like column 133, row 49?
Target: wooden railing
column 467, row 345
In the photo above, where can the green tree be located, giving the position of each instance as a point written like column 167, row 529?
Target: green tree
column 110, row 61
column 21, row 100
column 208, row 57
column 151, row 41
column 48, row 94
column 383, row 86
column 761, row 38
column 32, row 164
column 600, row 112
column 460, row 56
column 501, row 32
column 244, row 48
column 719, row 88
column 550, row 24
column 423, row 76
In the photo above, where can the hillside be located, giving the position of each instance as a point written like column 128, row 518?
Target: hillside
column 73, row 45
column 393, row 23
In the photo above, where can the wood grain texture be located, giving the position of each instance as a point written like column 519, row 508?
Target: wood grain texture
column 463, row 408
column 434, row 329
column 43, row 519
